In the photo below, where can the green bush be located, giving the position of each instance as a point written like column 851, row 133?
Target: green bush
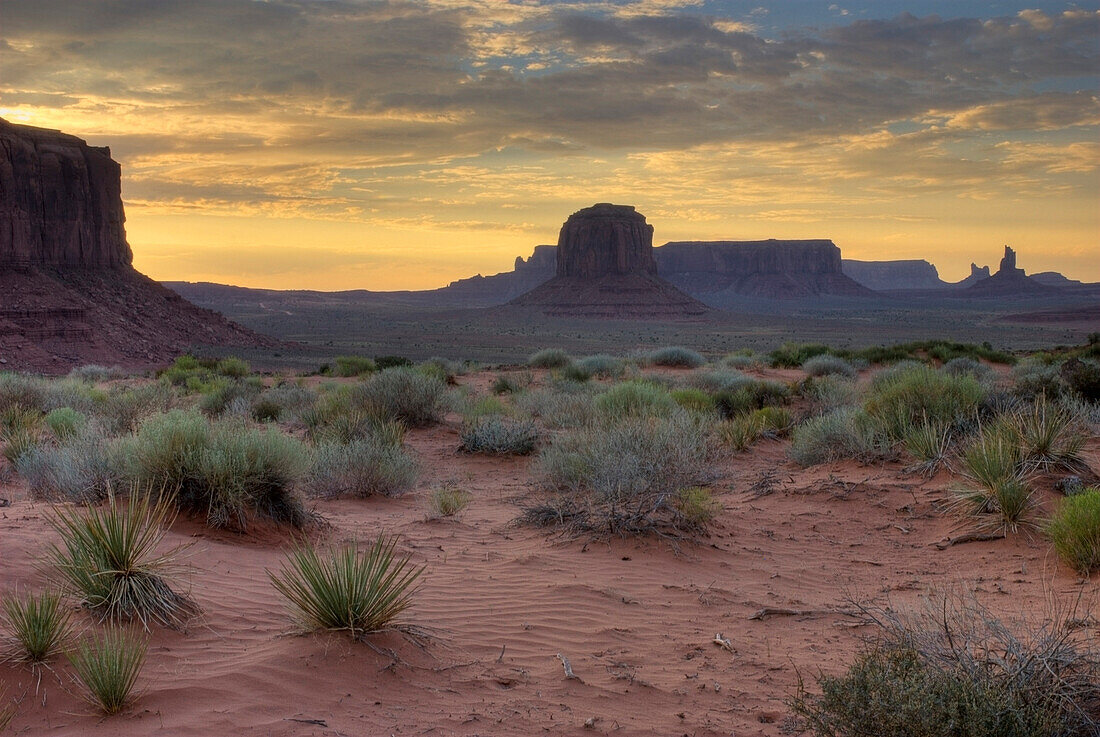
column 624, row 477
column 993, row 456
column 793, row 355
column 740, row 361
column 1032, row 377
column 676, row 357
column 224, row 471
column 123, row 408
column 694, row 400
column 233, row 367
column 899, row 399
column 404, row 394
column 64, row 422
column 1083, row 378
column 601, row 366
column 497, row 436
column 697, row 506
column 447, row 501
column 358, row 591
column 1075, row 530
column 233, row 397
column 635, row 399
column 362, row 468
column 354, row 366
column 774, row 421
column 110, row 559
column 823, row 394
column 108, row 666
column 549, row 358
column 843, row 433
column 503, row 385
column 752, row 395
column 741, row 431
column 826, row 365
column 386, row 362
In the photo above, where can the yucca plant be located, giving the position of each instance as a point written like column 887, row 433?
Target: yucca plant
column 40, row 624
column 108, row 558
column 108, row 667
column 361, row 591
column 7, row 711
column 741, row 431
column 1075, row 531
column 993, row 457
column 1005, row 506
column 1048, row 435
column 929, row 443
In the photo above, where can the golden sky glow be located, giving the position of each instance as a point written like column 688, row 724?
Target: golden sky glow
column 335, row 144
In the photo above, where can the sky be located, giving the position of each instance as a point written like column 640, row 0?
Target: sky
column 339, row 144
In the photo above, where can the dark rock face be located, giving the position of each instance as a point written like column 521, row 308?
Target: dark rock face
column 606, row 269
column 771, row 269
column 605, row 239
column 1009, row 281
column 977, row 274
column 885, row 276
column 61, row 201
column 1008, row 263
column 68, row 292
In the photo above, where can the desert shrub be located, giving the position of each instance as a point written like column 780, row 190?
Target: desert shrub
column 1048, row 435
column 224, row 471
column 82, row 468
column 900, row 399
column 109, row 559
column 741, row 431
column 108, row 666
column 233, row 367
column 503, row 385
column 956, row 669
column 360, row 591
column 497, row 436
column 20, row 431
column 843, row 433
column 723, row 380
column 1083, row 378
column 930, row 444
column 635, row 399
column 676, row 356
column 576, row 373
column 265, row 409
column 774, row 421
column 793, row 355
column 386, row 362
column 354, row 366
column 740, row 361
column 1031, row 378
column 474, row 409
column 291, row 398
column 601, row 366
column 64, row 422
column 233, row 396
column 824, row 394
column 966, row 366
column 752, row 395
column 1075, row 531
column 1087, row 413
column 826, row 365
column 404, row 394
column 95, row 374
column 561, row 407
column 694, row 400
column 623, row 477
column 122, row 409
column 1002, row 507
column 448, row 500
column 549, row 358
column 40, row 624
column 362, row 468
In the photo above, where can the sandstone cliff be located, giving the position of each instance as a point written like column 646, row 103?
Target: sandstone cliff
column 606, row 268
column 885, row 276
column 1009, row 281
column 68, row 292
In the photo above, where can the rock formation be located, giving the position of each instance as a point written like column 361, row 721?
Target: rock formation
column 68, row 292
column 1009, row 281
column 606, row 268
column 717, row 270
column 886, row 276
column 977, row 274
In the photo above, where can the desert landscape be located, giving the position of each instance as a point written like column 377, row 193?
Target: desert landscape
column 310, row 426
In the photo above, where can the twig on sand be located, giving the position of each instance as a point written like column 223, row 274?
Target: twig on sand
column 318, row 722
column 569, row 674
column 502, row 649
column 970, row 537
column 723, row 642
column 769, row 611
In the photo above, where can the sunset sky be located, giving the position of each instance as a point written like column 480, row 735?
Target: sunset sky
column 401, row 145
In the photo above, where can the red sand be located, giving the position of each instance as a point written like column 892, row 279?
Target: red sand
column 636, row 618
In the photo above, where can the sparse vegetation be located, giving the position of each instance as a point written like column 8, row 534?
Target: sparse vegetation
column 499, row 436
column 361, row 468
column 352, row 589
column 448, row 500
column 108, row 666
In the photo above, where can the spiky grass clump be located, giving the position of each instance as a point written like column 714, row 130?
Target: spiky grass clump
column 993, row 457
column 697, row 506
column 361, row 468
column 901, row 397
column 549, row 358
column 826, row 365
column 355, row 590
column 1049, row 436
column 448, row 500
column 65, row 422
column 635, row 399
column 108, row 666
column 108, row 559
column 354, row 366
column 40, row 624
column 676, row 357
column 497, row 436
column 694, row 400
column 930, row 444
column 1003, row 497
column 742, row 431
column 7, row 711
column 1075, row 531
